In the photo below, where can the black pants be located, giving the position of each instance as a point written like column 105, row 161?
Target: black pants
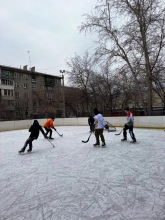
column 48, row 130
column 28, row 141
column 126, row 127
column 92, row 127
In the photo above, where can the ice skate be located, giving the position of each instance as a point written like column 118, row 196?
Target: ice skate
column 133, row 141
column 124, row 139
column 103, row 144
column 96, row 144
column 21, row 151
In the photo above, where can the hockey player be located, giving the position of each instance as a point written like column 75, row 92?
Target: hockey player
column 34, row 129
column 91, row 123
column 48, row 126
column 99, row 127
column 129, row 125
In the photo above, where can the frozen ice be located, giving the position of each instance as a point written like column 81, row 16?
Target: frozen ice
column 76, row 181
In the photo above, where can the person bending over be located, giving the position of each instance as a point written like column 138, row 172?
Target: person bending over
column 48, row 126
column 35, row 130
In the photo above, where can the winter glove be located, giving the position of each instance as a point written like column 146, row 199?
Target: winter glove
column 54, row 129
column 106, row 126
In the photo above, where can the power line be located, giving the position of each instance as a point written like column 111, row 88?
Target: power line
column 64, row 64
column 52, row 67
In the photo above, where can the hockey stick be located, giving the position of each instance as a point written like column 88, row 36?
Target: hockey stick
column 50, row 142
column 61, row 135
column 119, row 132
column 87, row 139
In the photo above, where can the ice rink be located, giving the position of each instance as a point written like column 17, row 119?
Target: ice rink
column 76, row 181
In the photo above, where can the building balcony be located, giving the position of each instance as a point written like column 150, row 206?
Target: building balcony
column 4, row 76
column 12, row 108
column 49, row 81
column 5, row 98
column 2, row 86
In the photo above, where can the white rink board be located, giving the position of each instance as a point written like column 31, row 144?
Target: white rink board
column 139, row 121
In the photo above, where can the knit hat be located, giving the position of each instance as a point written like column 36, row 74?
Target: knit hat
column 96, row 112
column 127, row 108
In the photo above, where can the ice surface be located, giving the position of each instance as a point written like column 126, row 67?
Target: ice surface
column 75, row 181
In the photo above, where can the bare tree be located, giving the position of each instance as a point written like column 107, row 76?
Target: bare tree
column 104, row 89
column 133, row 40
column 159, row 83
column 80, row 70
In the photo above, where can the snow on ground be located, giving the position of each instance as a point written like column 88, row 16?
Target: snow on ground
column 75, row 181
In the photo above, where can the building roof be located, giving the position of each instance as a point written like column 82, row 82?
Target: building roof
column 31, row 71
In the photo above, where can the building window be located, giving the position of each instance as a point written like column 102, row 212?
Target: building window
column 7, row 82
column 58, row 81
column 49, row 88
column 10, row 104
column 50, row 96
column 25, row 104
column 17, row 94
column 17, row 113
column 26, row 113
column 33, row 87
column 25, row 85
column 16, row 84
column 7, row 73
column 41, row 103
column 8, row 92
column 33, row 78
column 42, row 87
column 26, row 95
column 17, row 104
column 41, row 78
column 16, row 75
column 25, row 76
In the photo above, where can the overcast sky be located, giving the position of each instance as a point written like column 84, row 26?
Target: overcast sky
column 46, row 28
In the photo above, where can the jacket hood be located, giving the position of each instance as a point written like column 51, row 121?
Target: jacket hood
column 35, row 122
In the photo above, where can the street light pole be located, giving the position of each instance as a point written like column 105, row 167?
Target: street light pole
column 63, row 71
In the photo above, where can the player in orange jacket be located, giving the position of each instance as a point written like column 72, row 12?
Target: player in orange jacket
column 48, row 126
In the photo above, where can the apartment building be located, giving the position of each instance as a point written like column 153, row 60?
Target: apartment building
column 25, row 93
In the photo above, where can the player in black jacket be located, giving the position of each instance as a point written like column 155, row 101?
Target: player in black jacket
column 35, row 130
column 91, row 123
